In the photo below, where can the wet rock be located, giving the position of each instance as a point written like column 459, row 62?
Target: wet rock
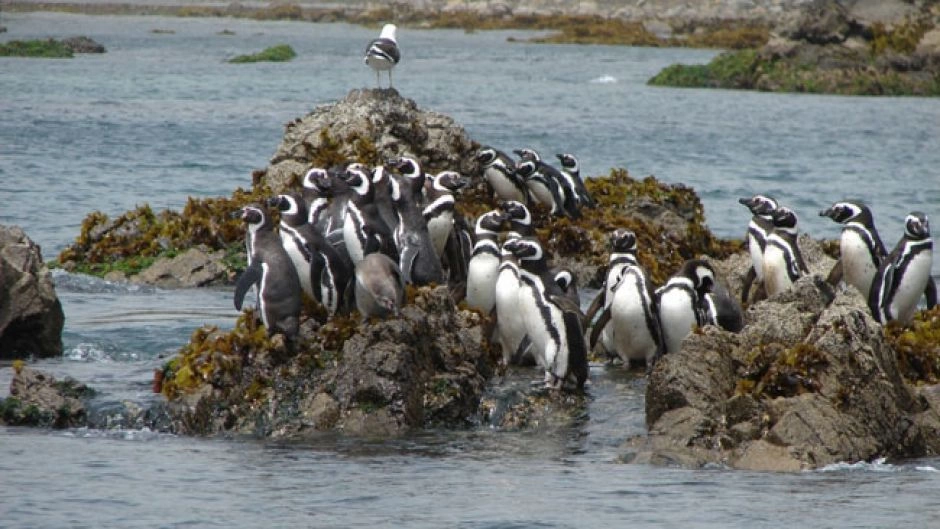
column 83, row 44
column 810, row 381
column 819, row 22
column 31, row 317
column 38, row 399
column 195, row 267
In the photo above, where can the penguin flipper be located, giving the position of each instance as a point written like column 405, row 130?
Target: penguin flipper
column 749, row 278
column 598, row 327
column 249, row 277
column 521, row 349
column 835, row 275
column 596, row 304
column 408, row 256
column 931, row 293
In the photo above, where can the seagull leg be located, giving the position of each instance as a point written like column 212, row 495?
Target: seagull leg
column 390, row 78
column 378, row 82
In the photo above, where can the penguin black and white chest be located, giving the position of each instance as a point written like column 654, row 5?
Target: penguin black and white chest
column 364, row 231
column 510, row 324
column 383, row 54
column 439, row 210
column 629, row 321
column 483, row 270
column 860, row 248
column 326, row 196
column 543, row 189
column 567, row 186
column 758, row 229
column 272, row 271
column 572, row 169
column 783, row 262
column 382, row 197
column 905, row 274
column 680, row 302
column 324, row 272
column 417, row 258
column 553, row 322
column 499, row 170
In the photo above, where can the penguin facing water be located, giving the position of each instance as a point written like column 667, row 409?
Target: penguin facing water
column 861, row 251
column 782, row 260
column 905, row 274
column 758, row 229
column 483, row 269
column 681, row 302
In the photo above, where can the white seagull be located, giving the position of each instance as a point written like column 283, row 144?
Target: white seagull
column 383, row 54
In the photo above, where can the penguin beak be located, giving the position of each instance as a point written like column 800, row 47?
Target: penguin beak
column 518, row 152
column 745, row 201
column 274, row 202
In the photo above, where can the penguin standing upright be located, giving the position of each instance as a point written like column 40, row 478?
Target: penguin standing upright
column 622, row 253
column 681, row 302
column 510, row 324
column 326, row 195
column 483, row 269
column 439, row 211
column 782, row 261
column 499, row 170
column 382, row 197
column 860, row 248
column 572, row 169
column 758, row 229
column 417, row 259
column 273, row 272
column 905, row 274
column 324, row 271
column 553, row 322
column 543, row 189
column 364, row 231
column 630, row 316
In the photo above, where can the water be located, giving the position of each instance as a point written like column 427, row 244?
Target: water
column 161, row 117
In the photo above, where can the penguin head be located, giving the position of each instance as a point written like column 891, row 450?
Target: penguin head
column 844, row 211
column 524, row 249
column 760, row 205
column 525, row 168
column 916, row 226
column 623, row 240
column 486, row 156
column 784, row 219
column 566, row 279
column 379, row 175
column 516, row 212
column 317, row 179
column 568, row 162
column 528, row 155
column 490, row 222
column 255, row 217
column 702, row 275
column 406, row 166
column 357, row 179
column 449, row 181
column 291, row 207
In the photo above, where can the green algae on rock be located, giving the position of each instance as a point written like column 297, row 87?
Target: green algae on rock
column 43, row 48
column 280, row 53
column 918, row 347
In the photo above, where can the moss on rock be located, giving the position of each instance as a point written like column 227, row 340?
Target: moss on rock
column 280, row 53
column 43, row 48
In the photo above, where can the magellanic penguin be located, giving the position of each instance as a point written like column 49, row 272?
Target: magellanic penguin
column 383, row 54
column 722, row 310
column 544, row 190
column 782, row 261
column 326, row 195
column 417, row 259
column 622, row 253
column 499, row 170
column 324, row 271
column 364, row 231
column 273, row 272
column 572, row 169
column 566, row 202
column 519, row 219
column 439, row 210
column 681, row 302
column 861, row 251
column 484, row 264
column 510, row 324
column 382, row 197
column 629, row 320
column 758, row 229
column 380, row 287
column 553, row 322
column 905, row 274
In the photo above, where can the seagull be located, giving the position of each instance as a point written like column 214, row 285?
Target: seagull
column 383, row 54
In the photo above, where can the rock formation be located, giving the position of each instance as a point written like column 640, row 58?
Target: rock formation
column 38, row 399
column 31, row 317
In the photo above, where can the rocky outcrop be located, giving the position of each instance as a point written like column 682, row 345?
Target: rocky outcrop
column 83, row 44
column 196, row 267
column 31, row 317
column 38, row 399
column 810, row 381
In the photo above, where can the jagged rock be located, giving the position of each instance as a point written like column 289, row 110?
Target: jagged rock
column 195, row 267
column 810, row 381
column 83, row 44
column 31, row 317
column 820, row 22
column 370, row 125
column 38, row 399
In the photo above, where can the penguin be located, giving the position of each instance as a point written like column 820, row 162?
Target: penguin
column 519, row 219
column 628, row 324
column 543, row 190
column 273, row 272
column 326, row 195
column 905, row 274
column 382, row 198
column 722, row 310
column 571, row 168
column 417, row 260
column 510, row 325
column 439, row 211
column 681, row 302
column 567, row 281
column 782, row 260
column 758, row 229
column 499, row 170
column 324, row 272
column 552, row 321
column 380, row 287
column 483, row 269
column 861, row 251
column 364, row 231
column 383, row 54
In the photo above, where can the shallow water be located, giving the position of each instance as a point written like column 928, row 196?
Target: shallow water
column 161, row 117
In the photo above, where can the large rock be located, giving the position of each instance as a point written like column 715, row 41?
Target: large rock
column 31, row 317
column 38, row 399
column 821, row 22
column 196, row 267
column 810, row 381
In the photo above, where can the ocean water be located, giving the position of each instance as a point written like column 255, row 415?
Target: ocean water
column 162, row 116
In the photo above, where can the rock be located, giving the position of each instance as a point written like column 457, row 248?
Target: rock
column 195, row 267
column 83, row 45
column 810, row 381
column 31, row 317
column 37, row 399
column 820, row 22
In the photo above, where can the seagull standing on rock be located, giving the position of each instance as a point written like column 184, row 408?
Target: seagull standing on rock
column 383, row 54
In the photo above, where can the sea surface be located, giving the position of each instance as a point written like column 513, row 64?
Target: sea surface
column 161, row 116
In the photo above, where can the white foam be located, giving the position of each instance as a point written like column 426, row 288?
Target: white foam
column 878, row 465
column 604, row 79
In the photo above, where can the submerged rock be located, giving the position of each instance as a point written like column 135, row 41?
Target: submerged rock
column 38, row 399
column 31, row 317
